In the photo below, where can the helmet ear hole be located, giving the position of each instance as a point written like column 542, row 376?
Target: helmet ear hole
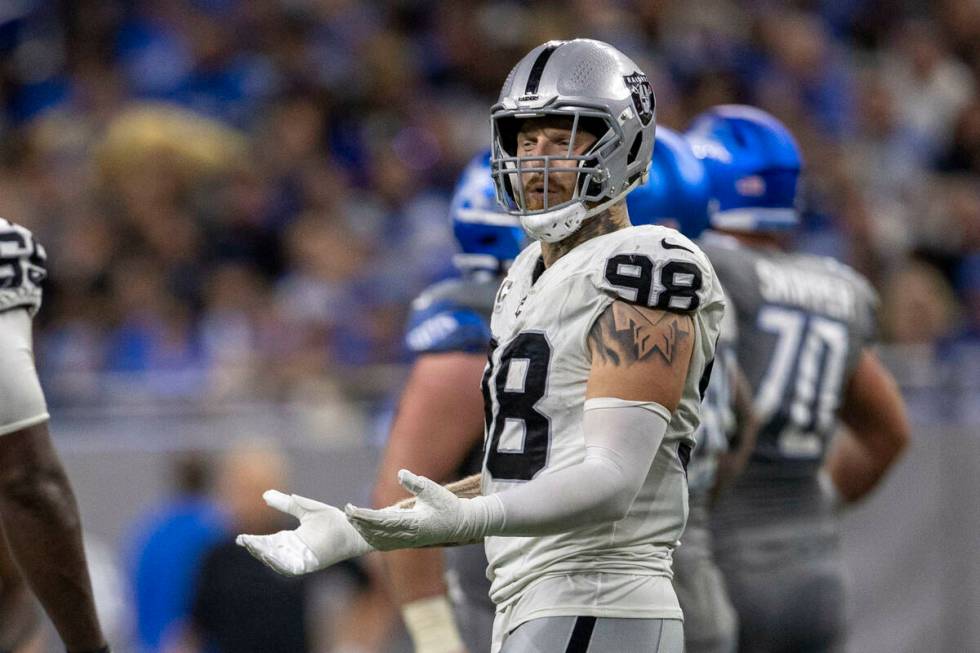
column 508, row 129
column 595, row 126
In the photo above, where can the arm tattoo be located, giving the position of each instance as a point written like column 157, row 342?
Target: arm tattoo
column 625, row 334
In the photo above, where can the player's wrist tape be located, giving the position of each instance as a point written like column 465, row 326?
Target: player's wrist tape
column 432, row 626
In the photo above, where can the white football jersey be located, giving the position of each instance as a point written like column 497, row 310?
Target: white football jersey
column 534, row 388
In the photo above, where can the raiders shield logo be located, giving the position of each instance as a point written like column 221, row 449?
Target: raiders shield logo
column 642, row 94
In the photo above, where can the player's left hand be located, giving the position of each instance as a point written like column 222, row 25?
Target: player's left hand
column 438, row 517
column 323, row 538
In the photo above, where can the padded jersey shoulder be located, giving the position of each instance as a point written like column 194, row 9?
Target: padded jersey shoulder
column 23, row 268
column 452, row 316
column 655, row 266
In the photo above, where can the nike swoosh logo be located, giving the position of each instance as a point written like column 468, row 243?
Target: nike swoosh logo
column 669, row 245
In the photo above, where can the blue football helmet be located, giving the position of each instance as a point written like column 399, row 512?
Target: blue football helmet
column 676, row 192
column 753, row 165
column 489, row 237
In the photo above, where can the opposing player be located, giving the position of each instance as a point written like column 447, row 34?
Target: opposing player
column 438, row 429
column 677, row 193
column 37, row 508
column 805, row 328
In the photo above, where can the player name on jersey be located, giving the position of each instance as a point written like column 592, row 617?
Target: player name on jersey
column 808, row 289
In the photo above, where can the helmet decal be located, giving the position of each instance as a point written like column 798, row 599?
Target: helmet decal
column 642, row 94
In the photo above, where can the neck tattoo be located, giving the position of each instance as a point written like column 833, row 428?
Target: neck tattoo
column 606, row 222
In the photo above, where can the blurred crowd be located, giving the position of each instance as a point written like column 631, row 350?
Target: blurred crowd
column 241, row 198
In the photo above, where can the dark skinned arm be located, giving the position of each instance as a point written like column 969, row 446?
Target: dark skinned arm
column 18, row 614
column 40, row 519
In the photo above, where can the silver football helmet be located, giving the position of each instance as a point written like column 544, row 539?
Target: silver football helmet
column 605, row 94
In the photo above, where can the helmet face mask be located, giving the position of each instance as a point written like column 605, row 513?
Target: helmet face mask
column 595, row 88
column 591, row 182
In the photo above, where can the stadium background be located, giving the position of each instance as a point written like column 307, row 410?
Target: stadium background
column 239, row 200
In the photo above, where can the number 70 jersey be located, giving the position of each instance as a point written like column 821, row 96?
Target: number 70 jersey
column 803, row 322
column 534, row 393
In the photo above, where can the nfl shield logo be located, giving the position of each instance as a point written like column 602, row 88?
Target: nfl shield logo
column 642, row 94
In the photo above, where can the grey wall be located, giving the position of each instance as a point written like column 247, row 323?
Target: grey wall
column 912, row 549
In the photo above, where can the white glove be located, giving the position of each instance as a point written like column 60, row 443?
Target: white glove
column 324, row 537
column 438, row 517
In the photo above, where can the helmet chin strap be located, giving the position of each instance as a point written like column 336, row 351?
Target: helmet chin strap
column 558, row 224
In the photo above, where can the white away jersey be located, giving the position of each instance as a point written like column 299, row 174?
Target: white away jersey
column 534, row 388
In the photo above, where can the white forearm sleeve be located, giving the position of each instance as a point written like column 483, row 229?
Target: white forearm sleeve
column 21, row 399
column 621, row 439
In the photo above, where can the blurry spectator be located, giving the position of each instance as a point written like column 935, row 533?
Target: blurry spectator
column 239, row 604
column 166, row 553
column 145, row 144
column 969, row 287
column 918, row 306
column 932, row 85
column 883, row 154
column 805, row 72
column 234, row 327
column 963, row 154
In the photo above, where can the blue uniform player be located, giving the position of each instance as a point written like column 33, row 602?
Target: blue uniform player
column 676, row 194
column 805, row 327
column 439, row 425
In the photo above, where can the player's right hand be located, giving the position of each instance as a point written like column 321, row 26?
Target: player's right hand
column 324, row 537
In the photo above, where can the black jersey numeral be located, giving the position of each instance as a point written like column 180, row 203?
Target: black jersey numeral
column 672, row 287
column 519, row 383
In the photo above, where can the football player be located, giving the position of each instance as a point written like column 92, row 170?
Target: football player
column 439, row 425
column 805, row 329
column 602, row 334
column 37, row 507
column 677, row 193
column 438, row 428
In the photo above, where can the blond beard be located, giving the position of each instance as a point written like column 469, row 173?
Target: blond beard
column 535, row 202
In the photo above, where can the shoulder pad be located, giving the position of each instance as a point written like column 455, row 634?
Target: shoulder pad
column 22, row 268
column 452, row 315
column 656, row 267
column 474, row 292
